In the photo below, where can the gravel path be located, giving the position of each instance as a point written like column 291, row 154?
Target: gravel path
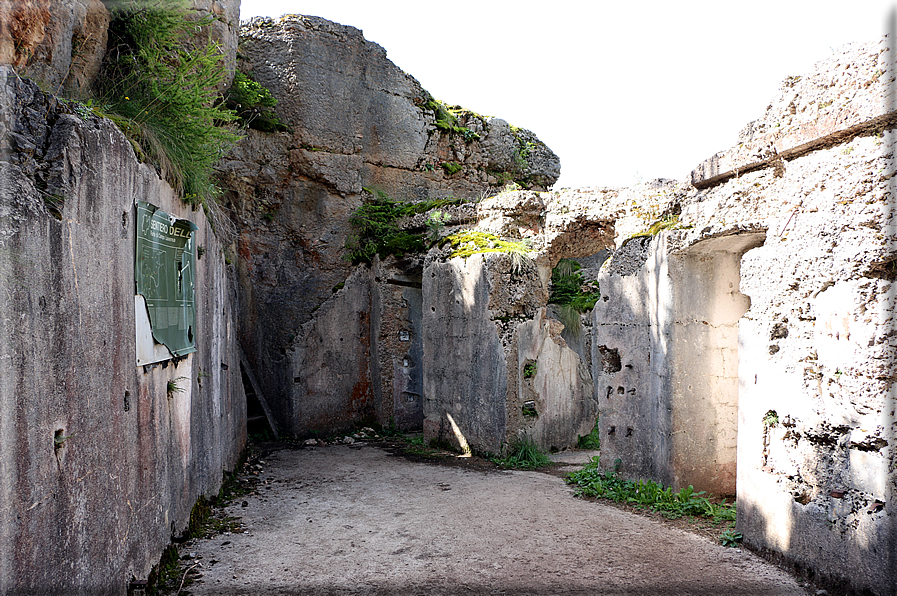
column 358, row 520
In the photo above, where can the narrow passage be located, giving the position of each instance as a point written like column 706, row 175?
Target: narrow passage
column 358, row 520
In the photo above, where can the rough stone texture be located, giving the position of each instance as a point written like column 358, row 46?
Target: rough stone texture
column 224, row 31
column 356, row 121
column 61, row 43
column 846, row 94
column 57, row 43
column 98, row 465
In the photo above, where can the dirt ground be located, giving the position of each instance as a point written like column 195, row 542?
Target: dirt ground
column 367, row 519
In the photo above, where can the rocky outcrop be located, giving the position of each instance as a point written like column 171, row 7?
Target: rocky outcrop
column 101, row 460
column 356, row 121
column 61, row 43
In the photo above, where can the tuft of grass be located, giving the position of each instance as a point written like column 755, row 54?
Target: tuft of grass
column 592, row 482
column 523, row 454
column 159, row 86
column 172, row 387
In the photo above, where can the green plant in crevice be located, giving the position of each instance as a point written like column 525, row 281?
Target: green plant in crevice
column 569, row 288
column 771, row 419
column 172, row 387
column 529, row 370
column 591, row 440
column 375, row 227
column 159, row 86
column 523, row 454
column 447, row 121
column 572, row 294
column 253, row 104
column 436, row 222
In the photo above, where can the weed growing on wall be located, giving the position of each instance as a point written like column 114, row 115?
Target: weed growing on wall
column 447, row 121
column 569, row 288
column 159, row 87
column 253, row 104
column 375, row 227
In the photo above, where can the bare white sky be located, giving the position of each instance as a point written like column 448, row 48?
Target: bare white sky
column 621, row 91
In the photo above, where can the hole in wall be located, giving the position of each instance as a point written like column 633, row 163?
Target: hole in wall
column 610, row 360
column 127, row 401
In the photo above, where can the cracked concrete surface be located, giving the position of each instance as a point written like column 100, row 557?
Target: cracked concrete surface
column 358, row 520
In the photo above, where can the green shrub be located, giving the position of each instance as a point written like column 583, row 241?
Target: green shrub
column 160, row 87
column 253, row 104
column 569, row 288
column 375, row 227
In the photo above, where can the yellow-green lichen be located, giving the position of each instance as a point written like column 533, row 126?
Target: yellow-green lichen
column 470, row 242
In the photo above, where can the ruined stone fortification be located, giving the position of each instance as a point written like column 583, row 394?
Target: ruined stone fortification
column 744, row 342
column 327, row 357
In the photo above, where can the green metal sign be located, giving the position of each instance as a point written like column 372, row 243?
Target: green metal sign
column 165, row 270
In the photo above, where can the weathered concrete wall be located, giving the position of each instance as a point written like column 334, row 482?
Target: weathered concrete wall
column 465, row 366
column 816, row 429
column 560, row 389
column 793, row 231
column 496, row 368
column 99, row 463
column 356, row 121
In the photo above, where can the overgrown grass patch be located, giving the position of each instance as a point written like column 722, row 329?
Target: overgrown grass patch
column 523, row 454
column 159, row 85
column 592, row 482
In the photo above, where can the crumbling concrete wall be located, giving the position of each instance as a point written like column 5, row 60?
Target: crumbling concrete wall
column 770, row 277
column 496, row 367
column 100, row 463
column 356, row 120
